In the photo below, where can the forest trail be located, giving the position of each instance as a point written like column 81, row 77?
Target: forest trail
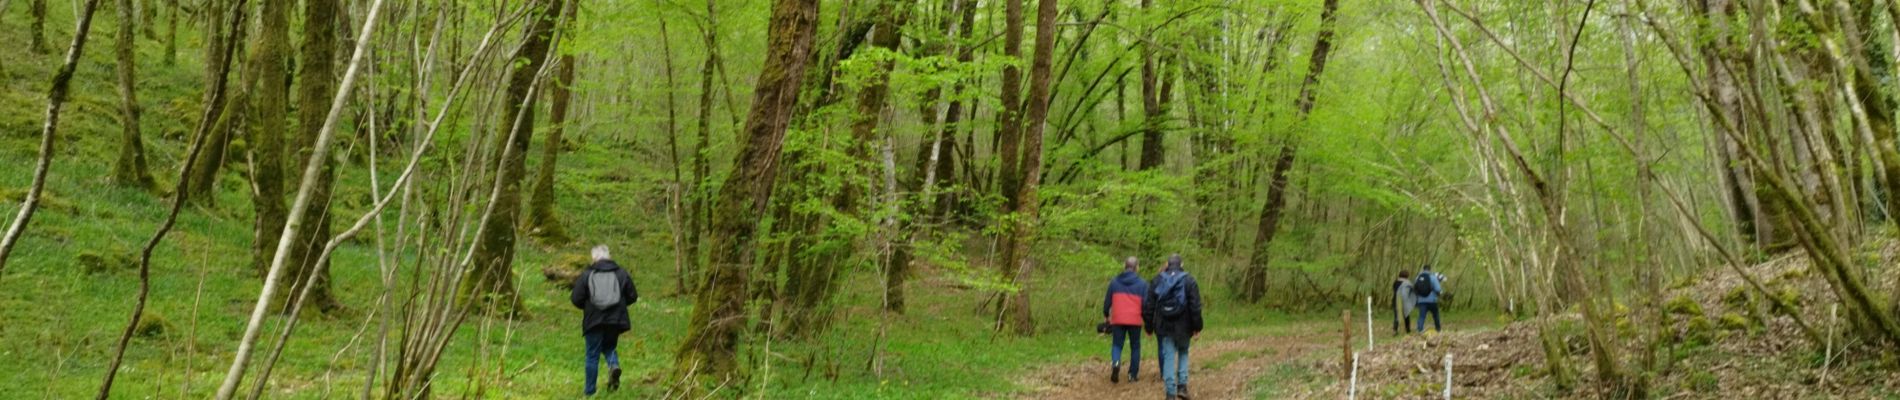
column 1220, row 369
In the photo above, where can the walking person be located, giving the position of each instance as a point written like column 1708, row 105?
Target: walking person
column 1428, row 286
column 1172, row 312
column 602, row 292
column 1121, row 307
column 1402, row 302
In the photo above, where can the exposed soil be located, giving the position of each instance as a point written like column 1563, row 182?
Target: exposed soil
column 1218, row 369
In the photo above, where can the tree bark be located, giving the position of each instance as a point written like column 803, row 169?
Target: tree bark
column 55, row 102
column 1254, row 282
column 1154, row 104
column 317, row 87
column 697, row 217
column 814, row 278
column 541, row 219
column 129, row 169
column 218, row 35
column 299, row 207
column 493, row 273
column 709, row 352
column 38, row 28
column 269, row 106
column 1025, row 204
column 1009, row 116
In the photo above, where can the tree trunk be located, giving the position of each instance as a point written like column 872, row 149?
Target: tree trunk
column 1009, row 116
column 709, row 351
column 697, row 217
column 541, row 219
column 55, row 102
column 1025, row 204
column 1877, row 106
column 681, row 256
column 1153, row 105
column 269, row 106
column 492, row 273
column 129, row 169
column 38, row 28
column 318, row 86
column 1254, row 282
column 814, row 278
column 204, row 170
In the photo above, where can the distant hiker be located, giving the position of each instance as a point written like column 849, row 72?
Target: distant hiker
column 1122, row 309
column 1172, row 312
column 1427, row 287
column 602, row 292
column 1402, row 302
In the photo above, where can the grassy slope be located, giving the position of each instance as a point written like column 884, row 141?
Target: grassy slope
column 58, row 322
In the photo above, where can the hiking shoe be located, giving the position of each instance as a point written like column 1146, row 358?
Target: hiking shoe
column 613, row 379
column 1183, row 393
column 1115, row 373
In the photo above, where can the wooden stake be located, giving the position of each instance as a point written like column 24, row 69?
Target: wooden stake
column 1345, row 348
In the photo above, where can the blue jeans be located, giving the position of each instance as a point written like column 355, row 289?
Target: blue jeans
column 598, row 344
column 1432, row 308
column 1174, row 364
column 1133, row 335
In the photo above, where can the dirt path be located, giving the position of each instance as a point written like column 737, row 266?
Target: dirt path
column 1219, row 369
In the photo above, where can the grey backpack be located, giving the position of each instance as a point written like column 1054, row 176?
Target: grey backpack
column 603, row 288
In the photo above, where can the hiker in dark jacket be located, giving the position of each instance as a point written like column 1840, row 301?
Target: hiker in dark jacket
column 1172, row 312
column 1121, row 307
column 602, row 292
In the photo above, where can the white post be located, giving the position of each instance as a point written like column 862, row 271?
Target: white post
column 1368, row 323
column 1827, row 356
column 1352, row 386
column 1447, row 376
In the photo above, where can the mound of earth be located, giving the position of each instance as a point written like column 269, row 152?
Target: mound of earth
column 1722, row 339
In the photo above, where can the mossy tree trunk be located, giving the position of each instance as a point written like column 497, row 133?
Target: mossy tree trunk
column 1254, row 281
column 813, row 278
column 709, row 352
column 492, row 272
column 37, row 31
column 204, row 170
column 269, row 109
column 129, row 169
column 318, row 86
column 542, row 222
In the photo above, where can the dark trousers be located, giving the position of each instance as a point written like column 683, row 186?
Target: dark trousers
column 598, row 344
column 1132, row 334
column 1429, row 308
column 1401, row 320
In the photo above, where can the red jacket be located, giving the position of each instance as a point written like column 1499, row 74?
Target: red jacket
column 1122, row 305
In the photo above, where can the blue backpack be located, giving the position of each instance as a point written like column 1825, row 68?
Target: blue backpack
column 1170, row 294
